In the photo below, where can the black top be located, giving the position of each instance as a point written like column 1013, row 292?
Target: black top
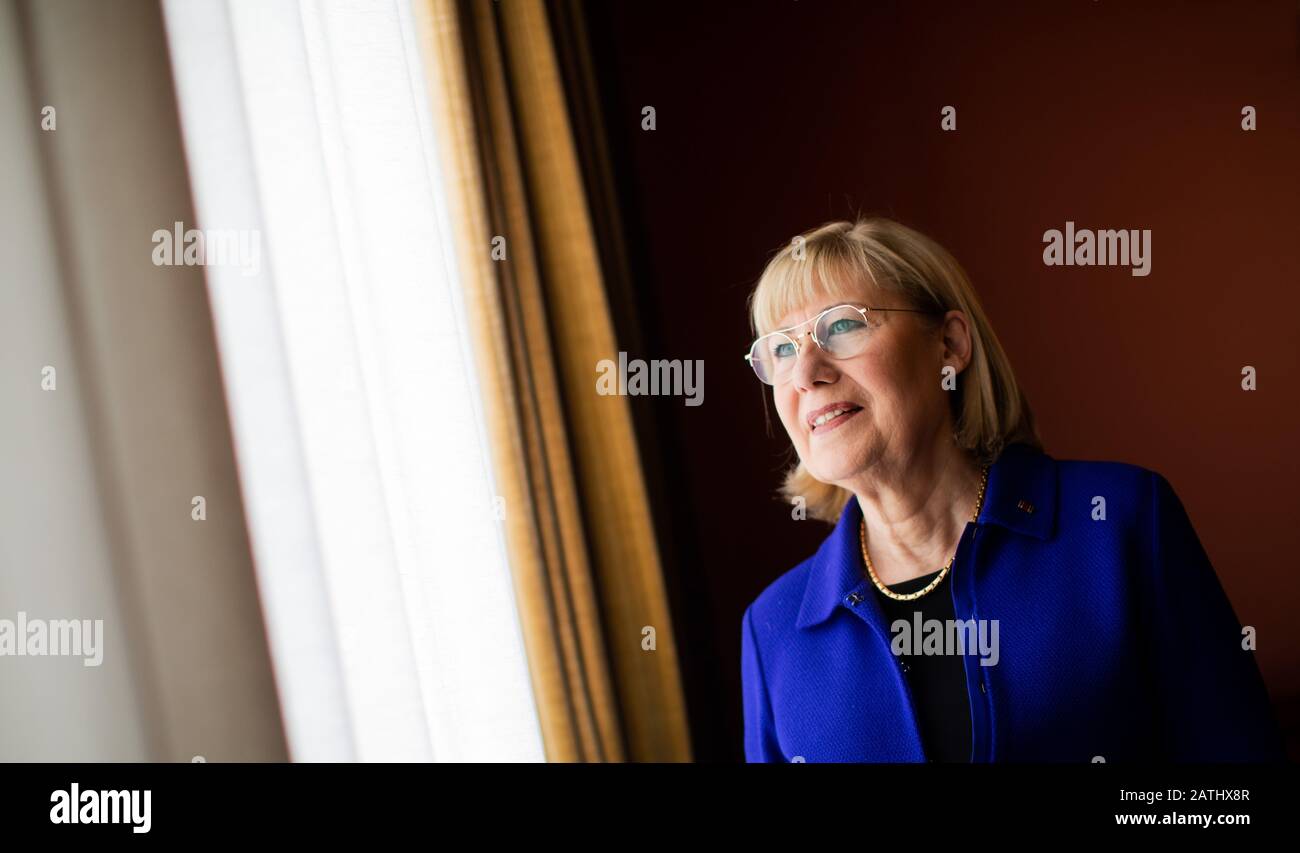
column 937, row 682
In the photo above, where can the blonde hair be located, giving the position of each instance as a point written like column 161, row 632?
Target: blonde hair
column 835, row 260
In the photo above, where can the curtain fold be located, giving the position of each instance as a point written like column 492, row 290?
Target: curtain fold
column 586, row 565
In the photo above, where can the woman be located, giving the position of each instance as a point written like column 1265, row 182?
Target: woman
column 977, row 599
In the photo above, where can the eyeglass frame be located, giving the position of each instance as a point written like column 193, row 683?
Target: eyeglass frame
column 864, row 310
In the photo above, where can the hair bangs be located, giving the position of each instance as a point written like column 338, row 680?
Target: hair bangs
column 828, row 272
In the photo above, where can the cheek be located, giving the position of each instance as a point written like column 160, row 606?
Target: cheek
column 915, row 390
column 898, row 387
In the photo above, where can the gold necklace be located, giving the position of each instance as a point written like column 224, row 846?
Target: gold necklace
column 909, row 596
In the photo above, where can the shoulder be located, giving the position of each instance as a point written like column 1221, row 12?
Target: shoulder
column 1082, row 474
column 810, row 588
column 1135, row 499
column 1125, row 485
column 777, row 606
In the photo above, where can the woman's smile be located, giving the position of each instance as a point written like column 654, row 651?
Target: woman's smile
column 831, row 417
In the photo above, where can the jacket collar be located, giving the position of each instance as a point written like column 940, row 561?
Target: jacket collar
column 1020, row 496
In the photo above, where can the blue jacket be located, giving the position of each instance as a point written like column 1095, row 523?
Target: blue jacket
column 1115, row 639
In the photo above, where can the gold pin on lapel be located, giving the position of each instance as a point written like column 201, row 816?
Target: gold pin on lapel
column 1025, row 506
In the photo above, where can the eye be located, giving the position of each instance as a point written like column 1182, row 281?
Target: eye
column 844, row 325
column 783, row 349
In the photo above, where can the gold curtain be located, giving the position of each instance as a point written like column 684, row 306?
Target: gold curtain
column 587, row 574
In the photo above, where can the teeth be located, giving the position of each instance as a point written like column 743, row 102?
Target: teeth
column 821, row 419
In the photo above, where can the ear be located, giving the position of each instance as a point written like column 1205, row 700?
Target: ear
column 955, row 331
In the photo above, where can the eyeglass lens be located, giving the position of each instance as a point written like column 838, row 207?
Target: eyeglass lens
column 841, row 332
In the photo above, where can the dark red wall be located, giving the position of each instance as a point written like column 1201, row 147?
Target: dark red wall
column 777, row 116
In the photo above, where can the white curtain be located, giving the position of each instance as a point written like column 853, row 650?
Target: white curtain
column 379, row 552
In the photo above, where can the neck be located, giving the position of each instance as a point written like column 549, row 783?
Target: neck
column 916, row 507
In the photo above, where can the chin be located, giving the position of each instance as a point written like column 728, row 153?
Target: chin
column 836, row 465
column 826, row 474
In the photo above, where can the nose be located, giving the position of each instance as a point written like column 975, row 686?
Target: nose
column 811, row 364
